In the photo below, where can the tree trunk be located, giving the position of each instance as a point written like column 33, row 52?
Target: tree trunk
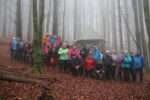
column 19, row 19
column 5, row 19
column 48, row 17
column 120, row 24
column 29, row 36
column 55, row 17
column 38, row 30
column 126, row 17
column 136, row 20
column 147, row 18
column 114, row 36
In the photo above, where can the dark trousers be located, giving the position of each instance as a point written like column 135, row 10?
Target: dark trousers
column 126, row 74
column 99, row 71
column 108, row 71
column 137, row 74
column 64, row 65
column 76, row 66
column 89, row 73
column 14, row 54
column 118, row 71
column 113, row 71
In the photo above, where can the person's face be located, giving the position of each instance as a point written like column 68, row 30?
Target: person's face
column 64, row 46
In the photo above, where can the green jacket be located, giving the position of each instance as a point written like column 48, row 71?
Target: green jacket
column 63, row 53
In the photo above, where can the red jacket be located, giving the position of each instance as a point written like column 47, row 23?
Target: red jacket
column 90, row 63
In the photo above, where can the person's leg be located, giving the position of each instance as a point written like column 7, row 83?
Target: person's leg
column 106, row 72
column 123, row 74
column 86, row 73
column 65, row 65
column 128, row 74
column 113, row 71
column 141, row 74
column 133, row 75
column 109, row 72
column 136, row 74
column 61, row 64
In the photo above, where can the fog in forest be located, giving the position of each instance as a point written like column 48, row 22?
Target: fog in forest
column 114, row 21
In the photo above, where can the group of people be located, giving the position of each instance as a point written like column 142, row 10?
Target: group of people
column 86, row 60
column 21, row 51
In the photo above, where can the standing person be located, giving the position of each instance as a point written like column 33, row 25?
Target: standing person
column 30, row 54
column 132, row 53
column 84, row 52
column 46, row 53
column 120, row 58
column 76, row 60
column 20, row 50
column 89, row 65
column 63, row 56
column 55, row 42
column 138, row 65
column 107, row 60
column 14, row 44
column 115, row 63
column 98, row 56
column 126, row 65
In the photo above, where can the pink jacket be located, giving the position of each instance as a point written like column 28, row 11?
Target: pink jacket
column 45, row 50
column 74, row 52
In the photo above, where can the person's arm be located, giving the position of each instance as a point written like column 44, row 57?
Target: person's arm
column 60, row 51
column 143, row 63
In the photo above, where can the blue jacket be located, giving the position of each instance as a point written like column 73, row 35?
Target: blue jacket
column 97, row 55
column 138, row 62
column 14, row 44
column 52, row 39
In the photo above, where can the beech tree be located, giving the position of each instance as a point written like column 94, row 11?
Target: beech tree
column 19, row 19
column 38, row 31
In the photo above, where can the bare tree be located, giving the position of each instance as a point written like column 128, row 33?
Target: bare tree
column 29, row 36
column 120, row 24
column 4, row 30
column 38, row 31
column 114, row 37
column 19, row 19
column 55, row 16
column 147, row 18
column 48, row 17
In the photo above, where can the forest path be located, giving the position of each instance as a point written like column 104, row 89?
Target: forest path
column 69, row 87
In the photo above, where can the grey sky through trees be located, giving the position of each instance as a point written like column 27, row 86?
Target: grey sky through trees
column 87, row 19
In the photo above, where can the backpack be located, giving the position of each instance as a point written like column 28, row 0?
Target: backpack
column 127, row 60
column 137, row 62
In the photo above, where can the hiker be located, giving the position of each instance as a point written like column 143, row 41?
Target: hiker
column 58, row 41
column 46, row 53
column 120, row 58
column 89, row 65
column 52, row 40
column 20, row 50
column 54, row 57
column 126, row 65
column 63, row 57
column 76, row 60
column 138, row 65
column 55, row 42
column 115, row 64
column 26, row 44
column 13, row 47
column 45, row 40
column 107, row 61
column 29, row 53
column 84, row 51
column 98, row 57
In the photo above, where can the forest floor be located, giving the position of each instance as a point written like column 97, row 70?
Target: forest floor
column 66, row 86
